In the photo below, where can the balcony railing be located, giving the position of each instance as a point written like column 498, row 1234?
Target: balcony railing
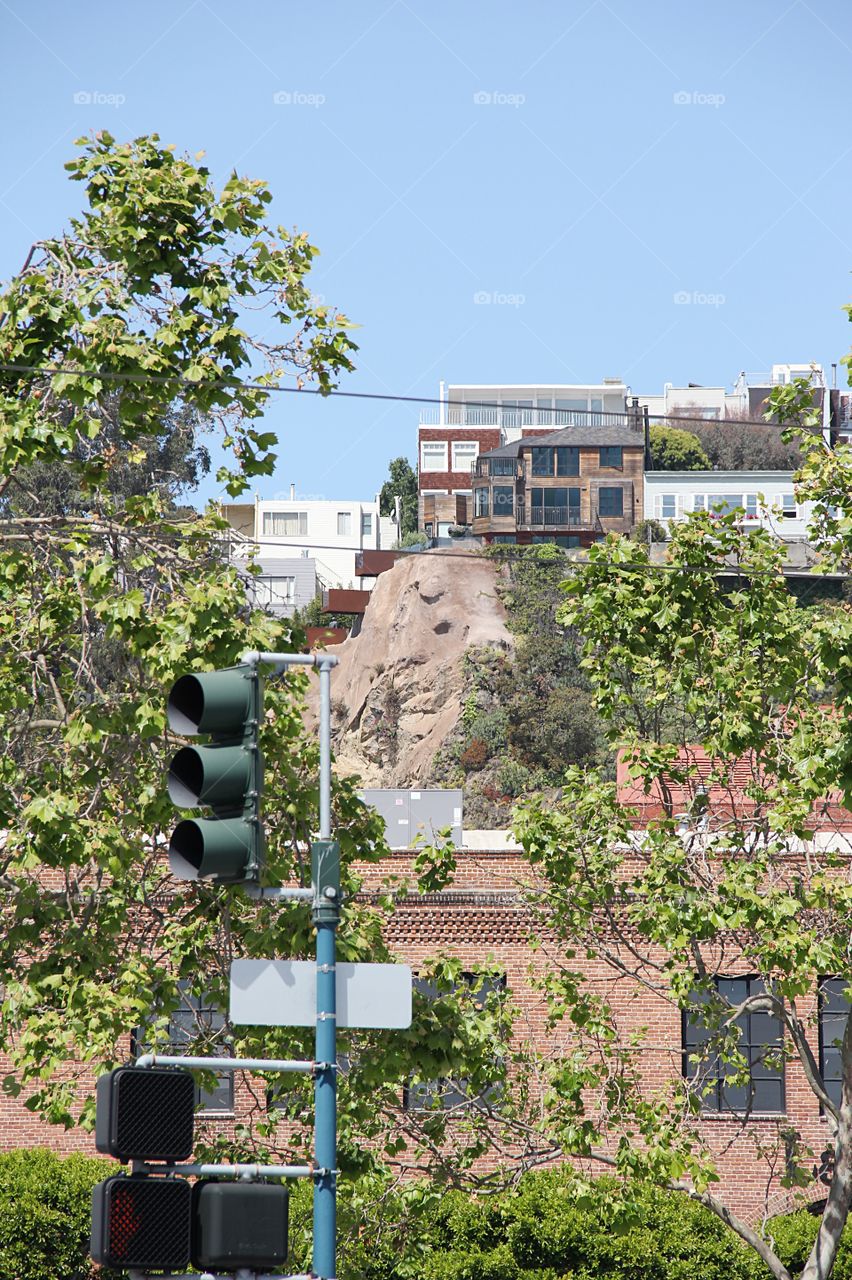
column 460, row 415
column 551, row 518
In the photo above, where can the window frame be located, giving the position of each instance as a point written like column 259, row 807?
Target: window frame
column 715, row 1103
column 205, row 1103
column 611, row 489
column 604, row 460
column 466, row 445
column 418, row 1098
column 828, row 1081
column 435, row 446
column 344, row 519
column 301, row 518
column 366, row 524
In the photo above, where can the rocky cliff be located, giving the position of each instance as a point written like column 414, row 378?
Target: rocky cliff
column 397, row 693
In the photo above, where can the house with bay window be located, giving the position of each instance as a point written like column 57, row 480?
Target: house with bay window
column 765, row 499
column 571, row 486
column 474, row 419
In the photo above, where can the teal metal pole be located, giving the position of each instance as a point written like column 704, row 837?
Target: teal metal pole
column 325, row 860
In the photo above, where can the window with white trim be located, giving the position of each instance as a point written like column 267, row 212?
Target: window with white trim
column 668, row 506
column 285, row 524
column 789, row 510
column 274, row 591
column 366, row 524
column 465, row 453
column 433, row 455
column 344, row 524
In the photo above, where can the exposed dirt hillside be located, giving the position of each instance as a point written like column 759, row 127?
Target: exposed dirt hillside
column 397, row 693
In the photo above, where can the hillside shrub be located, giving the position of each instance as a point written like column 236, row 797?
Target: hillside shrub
column 45, row 1215
column 474, row 755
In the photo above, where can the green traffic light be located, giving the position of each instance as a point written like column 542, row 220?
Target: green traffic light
column 226, row 776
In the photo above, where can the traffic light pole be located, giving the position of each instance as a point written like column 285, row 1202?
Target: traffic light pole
column 325, row 914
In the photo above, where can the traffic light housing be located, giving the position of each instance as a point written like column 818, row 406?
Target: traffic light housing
column 239, row 1224
column 142, row 1222
column 145, row 1114
column 226, row 776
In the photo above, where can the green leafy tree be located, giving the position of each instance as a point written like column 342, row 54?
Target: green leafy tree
column 118, row 341
column 401, row 483
column 673, row 449
column 737, row 443
column 712, row 642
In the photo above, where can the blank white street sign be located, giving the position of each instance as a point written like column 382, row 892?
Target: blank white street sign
column 283, row 993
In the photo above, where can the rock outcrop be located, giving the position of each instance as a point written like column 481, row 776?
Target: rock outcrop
column 396, row 694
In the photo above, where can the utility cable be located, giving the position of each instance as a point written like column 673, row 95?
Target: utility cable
column 235, row 384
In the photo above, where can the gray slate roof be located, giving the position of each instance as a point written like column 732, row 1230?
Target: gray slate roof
column 591, row 437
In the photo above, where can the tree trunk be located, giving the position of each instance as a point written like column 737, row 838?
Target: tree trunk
column 822, row 1257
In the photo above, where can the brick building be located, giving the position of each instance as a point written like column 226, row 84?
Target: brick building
column 484, row 917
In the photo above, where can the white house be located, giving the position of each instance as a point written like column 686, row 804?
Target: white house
column 766, row 498
column 328, row 532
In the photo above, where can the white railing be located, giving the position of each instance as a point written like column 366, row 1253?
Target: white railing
column 459, row 415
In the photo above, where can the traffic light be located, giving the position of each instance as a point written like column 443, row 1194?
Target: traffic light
column 145, row 1114
column 226, row 776
column 144, row 1221
column 239, row 1224
column 155, row 1220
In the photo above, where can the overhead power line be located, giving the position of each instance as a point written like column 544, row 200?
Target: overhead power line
column 235, row 384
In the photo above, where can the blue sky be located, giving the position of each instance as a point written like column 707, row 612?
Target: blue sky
column 581, row 163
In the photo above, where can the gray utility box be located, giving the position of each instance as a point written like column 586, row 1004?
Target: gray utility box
column 408, row 814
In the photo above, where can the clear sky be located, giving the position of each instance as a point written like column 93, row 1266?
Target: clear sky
column 580, row 164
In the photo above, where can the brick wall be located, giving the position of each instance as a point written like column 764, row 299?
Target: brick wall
column 484, row 918
column 486, row 437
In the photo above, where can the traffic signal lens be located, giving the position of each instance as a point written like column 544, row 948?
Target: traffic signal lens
column 218, row 776
column 211, row 702
column 142, row 1222
column 211, row 848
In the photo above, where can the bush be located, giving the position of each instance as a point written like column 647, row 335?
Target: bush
column 474, row 755
column 675, row 450
column 648, row 531
column 490, row 727
column 541, row 1232
column 45, row 1215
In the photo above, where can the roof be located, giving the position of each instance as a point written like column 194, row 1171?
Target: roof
column 629, row 437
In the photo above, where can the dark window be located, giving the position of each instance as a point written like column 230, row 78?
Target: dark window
column 506, row 538
column 610, row 501
column 503, row 499
column 555, row 506
column 480, row 502
column 611, row 455
column 759, row 1035
column 833, row 1010
column 445, row 1093
column 561, row 539
column 542, row 461
column 502, row 466
column 196, row 1018
column 567, row 460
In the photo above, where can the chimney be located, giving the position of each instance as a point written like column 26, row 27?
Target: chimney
column 292, row 493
